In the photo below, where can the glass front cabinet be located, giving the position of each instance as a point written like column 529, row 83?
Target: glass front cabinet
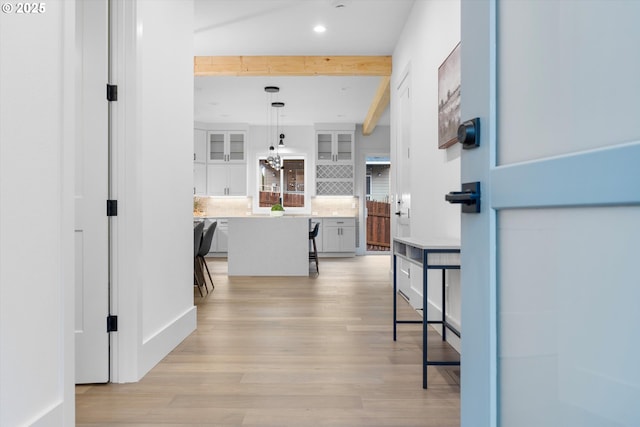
column 226, row 147
column 334, row 147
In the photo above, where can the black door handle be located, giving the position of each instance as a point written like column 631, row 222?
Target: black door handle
column 469, row 197
column 399, row 213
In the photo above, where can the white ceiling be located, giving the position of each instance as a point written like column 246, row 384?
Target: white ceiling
column 285, row 27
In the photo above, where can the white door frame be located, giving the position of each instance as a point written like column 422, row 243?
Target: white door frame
column 363, row 178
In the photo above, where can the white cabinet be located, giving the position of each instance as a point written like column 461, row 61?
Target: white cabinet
column 227, row 179
column 222, row 238
column 226, row 147
column 334, row 163
column 219, row 244
column 339, row 235
column 334, row 147
column 200, row 146
column 219, row 163
column 199, row 162
column 199, row 179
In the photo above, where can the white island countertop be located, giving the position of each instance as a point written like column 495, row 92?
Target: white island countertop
column 268, row 246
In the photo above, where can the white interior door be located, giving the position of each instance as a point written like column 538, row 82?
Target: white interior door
column 91, row 233
column 403, row 161
column 549, row 281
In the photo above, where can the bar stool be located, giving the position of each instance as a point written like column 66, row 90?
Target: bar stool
column 205, row 247
column 313, row 255
column 197, row 271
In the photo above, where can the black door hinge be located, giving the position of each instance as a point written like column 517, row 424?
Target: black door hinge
column 112, row 323
column 112, row 92
column 112, row 208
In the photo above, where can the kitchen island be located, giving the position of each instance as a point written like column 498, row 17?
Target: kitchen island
column 268, row 246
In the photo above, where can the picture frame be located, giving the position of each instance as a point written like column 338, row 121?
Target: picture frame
column 449, row 82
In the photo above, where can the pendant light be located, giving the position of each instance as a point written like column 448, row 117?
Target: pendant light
column 270, row 90
column 279, row 105
column 278, row 161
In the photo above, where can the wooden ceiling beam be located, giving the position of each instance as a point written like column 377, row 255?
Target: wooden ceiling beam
column 379, row 104
column 292, row 65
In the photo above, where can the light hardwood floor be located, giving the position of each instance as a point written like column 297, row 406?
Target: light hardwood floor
column 276, row 352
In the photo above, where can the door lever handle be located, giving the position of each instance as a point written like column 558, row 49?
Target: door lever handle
column 469, row 197
column 466, row 197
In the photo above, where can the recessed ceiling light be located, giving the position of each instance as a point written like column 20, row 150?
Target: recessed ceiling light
column 339, row 4
column 319, row 29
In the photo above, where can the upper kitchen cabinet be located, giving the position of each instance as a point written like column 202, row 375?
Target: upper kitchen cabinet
column 219, row 162
column 334, row 163
column 199, row 146
column 199, row 179
column 334, row 147
column 226, row 147
column 199, row 162
column 227, row 180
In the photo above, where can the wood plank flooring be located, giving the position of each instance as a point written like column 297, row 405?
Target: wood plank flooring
column 300, row 352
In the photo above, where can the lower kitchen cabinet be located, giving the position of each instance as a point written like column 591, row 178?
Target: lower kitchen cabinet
column 336, row 237
column 220, row 241
column 339, row 235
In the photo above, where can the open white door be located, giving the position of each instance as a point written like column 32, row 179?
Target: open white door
column 550, row 287
column 91, row 234
column 402, row 206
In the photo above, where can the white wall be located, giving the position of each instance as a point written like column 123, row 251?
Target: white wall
column 154, row 135
column 36, row 216
column 430, row 34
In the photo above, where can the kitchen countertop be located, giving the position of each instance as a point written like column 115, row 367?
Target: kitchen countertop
column 269, row 216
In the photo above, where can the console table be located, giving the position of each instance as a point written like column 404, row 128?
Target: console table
column 439, row 256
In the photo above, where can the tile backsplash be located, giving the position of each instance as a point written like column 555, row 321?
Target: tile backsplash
column 242, row 206
column 335, row 206
column 222, row 207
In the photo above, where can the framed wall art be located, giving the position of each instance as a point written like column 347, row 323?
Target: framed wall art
column 449, row 77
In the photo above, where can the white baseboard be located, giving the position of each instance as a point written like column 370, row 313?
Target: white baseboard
column 54, row 416
column 155, row 348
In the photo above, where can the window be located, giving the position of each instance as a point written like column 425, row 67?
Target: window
column 285, row 186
